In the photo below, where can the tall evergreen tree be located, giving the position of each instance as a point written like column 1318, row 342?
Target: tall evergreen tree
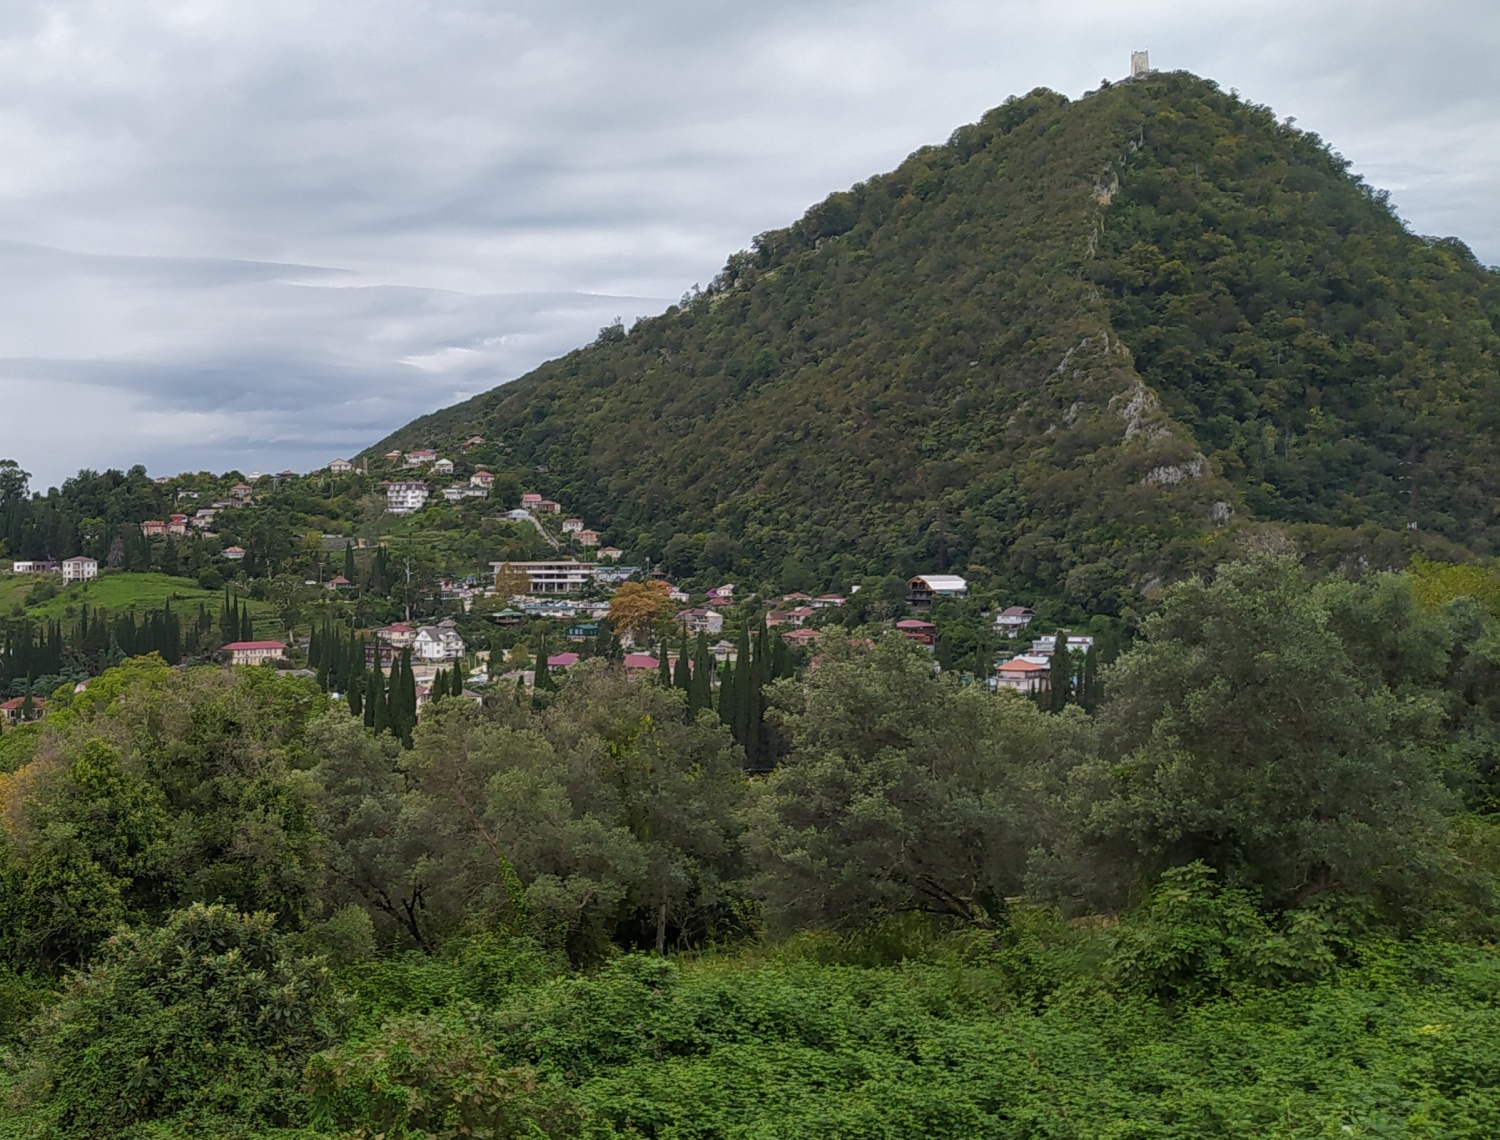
column 682, row 676
column 1060, row 676
column 374, row 697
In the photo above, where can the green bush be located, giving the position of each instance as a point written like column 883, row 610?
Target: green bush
column 1195, row 939
column 207, row 1017
column 433, row 1077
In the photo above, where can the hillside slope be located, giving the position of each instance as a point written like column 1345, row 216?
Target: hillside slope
column 1068, row 349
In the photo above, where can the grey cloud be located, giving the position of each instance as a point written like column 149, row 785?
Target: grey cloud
column 327, row 215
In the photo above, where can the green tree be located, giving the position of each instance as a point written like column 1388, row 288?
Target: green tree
column 1241, row 734
column 904, row 792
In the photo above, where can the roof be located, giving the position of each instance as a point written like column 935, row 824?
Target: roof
column 1017, row 611
column 562, row 660
column 913, row 623
column 77, row 558
column 942, row 581
column 1021, row 665
column 238, row 645
column 641, row 661
column 17, row 702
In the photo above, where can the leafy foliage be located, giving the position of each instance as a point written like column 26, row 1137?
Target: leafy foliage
column 208, row 1016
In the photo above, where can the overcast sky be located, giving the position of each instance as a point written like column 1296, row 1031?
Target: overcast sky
column 260, row 235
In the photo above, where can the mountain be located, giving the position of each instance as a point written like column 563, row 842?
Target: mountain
column 1080, row 348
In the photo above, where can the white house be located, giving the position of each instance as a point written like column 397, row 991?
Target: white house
column 79, row 569
column 1046, row 646
column 442, row 467
column 613, row 553
column 35, row 567
column 462, row 491
column 701, row 620
column 340, row 467
column 572, row 526
column 922, row 589
column 482, row 479
column 234, row 553
column 402, row 498
column 420, row 457
column 439, row 642
column 588, row 538
column 1013, row 619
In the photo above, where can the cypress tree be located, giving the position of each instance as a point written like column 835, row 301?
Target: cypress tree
column 701, row 693
column 322, row 666
column 541, row 673
column 372, row 695
column 408, row 698
column 379, row 709
column 682, row 677
column 744, row 694
column 728, row 714
column 1060, row 676
column 1088, row 692
column 356, row 701
column 663, row 669
column 247, row 627
column 349, row 561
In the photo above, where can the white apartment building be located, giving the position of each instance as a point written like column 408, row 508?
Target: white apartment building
column 553, row 577
column 403, row 498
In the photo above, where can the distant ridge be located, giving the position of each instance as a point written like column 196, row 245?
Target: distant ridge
column 1080, row 348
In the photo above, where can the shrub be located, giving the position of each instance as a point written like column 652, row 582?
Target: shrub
column 208, row 1015
column 433, row 1077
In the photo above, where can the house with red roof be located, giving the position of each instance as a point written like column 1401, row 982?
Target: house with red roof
column 638, row 663
column 13, row 711
column 922, row 632
column 1028, row 675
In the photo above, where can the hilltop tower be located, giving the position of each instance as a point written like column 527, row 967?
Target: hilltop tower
column 1140, row 64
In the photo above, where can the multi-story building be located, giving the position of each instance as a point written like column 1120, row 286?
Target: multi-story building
column 552, row 577
column 79, row 569
column 405, row 497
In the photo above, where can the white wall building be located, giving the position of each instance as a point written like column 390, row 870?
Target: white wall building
column 553, row 577
column 405, row 497
column 439, row 642
column 79, row 569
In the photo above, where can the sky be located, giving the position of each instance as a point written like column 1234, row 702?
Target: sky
column 262, row 235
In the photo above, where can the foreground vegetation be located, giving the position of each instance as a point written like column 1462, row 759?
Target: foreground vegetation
column 1252, row 896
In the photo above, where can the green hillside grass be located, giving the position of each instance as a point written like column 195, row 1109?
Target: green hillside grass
column 1070, row 351
column 118, row 592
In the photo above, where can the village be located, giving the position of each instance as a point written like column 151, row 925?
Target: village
column 522, row 617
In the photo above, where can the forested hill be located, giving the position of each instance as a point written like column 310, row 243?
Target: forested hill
column 1073, row 348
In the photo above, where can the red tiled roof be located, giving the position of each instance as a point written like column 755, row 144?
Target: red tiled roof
column 233, row 645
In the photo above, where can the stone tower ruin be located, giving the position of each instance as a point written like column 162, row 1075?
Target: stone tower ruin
column 1140, row 64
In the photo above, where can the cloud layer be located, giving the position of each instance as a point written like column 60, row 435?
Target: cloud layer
column 261, row 235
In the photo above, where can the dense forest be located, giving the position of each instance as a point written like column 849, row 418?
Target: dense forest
column 1252, row 895
column 1080, row 349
